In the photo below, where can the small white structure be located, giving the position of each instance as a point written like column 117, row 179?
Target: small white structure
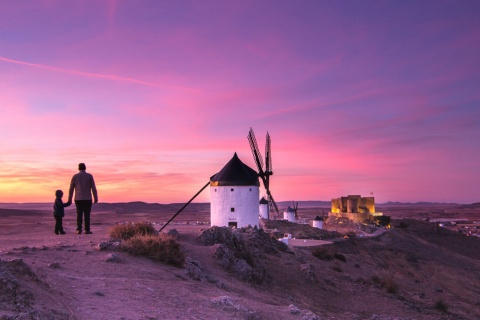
column 289, row 215
column 263, row 209
column 286, row 237
column 234, row 193
column 317, row 222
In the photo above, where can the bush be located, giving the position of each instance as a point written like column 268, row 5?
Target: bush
column 440, row 305
column 161, row 248
column 322, row 254
column 128, row 230
column 386, row 281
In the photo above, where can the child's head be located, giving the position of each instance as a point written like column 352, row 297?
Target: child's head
column 59, row 193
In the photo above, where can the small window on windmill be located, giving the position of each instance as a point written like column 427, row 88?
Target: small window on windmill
column 231, row 189
column 250, row 189
column 232, row 209
column 215, row 190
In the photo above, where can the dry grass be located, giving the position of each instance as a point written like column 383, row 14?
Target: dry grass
column 157, row 247
column 386, row 281
column 128, row 230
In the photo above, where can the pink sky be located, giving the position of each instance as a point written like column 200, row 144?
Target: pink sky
column 156, row 96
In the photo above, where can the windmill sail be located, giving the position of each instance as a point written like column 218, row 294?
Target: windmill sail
column 263, row 174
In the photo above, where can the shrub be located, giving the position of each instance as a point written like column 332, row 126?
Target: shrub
column 128, row 230
column 340, row 257
column 440, row 305
column 322, row 254
column 386, row 281
column 161, row 248
column 390, row 285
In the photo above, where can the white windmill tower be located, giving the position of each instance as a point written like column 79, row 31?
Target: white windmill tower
column 263, row 208
column 289, row 215
column 234, row 193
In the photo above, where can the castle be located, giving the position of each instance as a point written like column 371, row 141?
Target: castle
column 354, row 207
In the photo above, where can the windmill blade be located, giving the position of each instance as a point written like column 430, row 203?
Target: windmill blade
column 268, row 155
column 295, row 206
column 272, row 202
column 268, row 161
column 257, row 156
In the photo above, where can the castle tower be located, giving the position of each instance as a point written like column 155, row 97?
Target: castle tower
column 234, row 193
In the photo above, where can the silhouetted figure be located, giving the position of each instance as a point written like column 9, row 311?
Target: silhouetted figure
column 59, row 211
column 83, row 185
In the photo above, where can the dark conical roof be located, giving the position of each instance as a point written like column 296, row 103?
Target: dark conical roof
column 263, row 201
column 317, row 218
column 235, row 173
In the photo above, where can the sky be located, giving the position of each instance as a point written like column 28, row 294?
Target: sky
column 377, row 98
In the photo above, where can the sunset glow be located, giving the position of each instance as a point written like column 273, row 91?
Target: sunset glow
column 156, row 96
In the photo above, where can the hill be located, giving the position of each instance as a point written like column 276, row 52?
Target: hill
column 409, row 272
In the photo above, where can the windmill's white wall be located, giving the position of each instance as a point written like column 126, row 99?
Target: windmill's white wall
column 244, row 199
column 317, row 224
column 289, row 216
column 263, row 211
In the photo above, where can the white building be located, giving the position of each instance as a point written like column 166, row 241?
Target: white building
column 317, row 222
column 234, row 193
column 263, row 208
column 289, row 214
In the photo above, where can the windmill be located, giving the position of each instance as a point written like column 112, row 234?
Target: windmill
column 295, row 208
column 264, row 174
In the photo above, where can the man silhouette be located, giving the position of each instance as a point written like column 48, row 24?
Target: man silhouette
column 83, row 185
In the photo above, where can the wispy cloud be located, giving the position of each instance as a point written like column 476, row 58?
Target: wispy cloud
column 95, row 75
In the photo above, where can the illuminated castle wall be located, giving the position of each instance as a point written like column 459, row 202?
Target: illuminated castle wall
column 353, row 204
column 354, row 207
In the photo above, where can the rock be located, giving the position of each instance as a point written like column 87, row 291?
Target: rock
column 112, row 257
column 308, row 271
column 213, row 235
column 173, row 233
column 54, row 265
column 308, row 315
column 293, row 309
column 195, row 271
column 227, row 304
column 242, row 251
column 108, row 245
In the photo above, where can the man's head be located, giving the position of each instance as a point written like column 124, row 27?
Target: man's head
column 82, row 166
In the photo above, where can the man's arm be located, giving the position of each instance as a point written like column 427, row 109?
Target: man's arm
column 94, row 191
column 70, row 191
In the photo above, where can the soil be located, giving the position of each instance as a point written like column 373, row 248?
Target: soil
column 411, row 271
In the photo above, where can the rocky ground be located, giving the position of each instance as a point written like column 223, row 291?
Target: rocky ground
column 409, row 272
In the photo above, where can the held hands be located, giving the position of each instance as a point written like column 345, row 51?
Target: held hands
column 68, row 203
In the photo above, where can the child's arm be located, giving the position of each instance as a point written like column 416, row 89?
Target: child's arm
column 67, row 204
